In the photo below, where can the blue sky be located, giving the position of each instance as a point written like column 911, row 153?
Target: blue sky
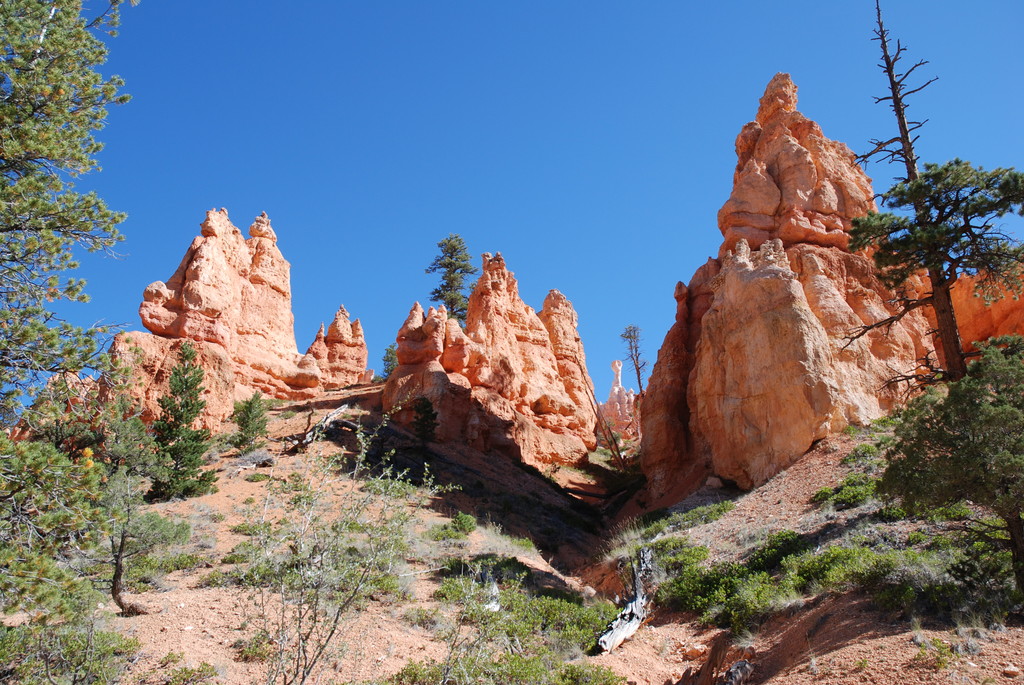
column 589, row 142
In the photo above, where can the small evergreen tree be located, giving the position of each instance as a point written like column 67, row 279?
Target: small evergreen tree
column 424, row 423
column 967, row 443
column 454, row 265
column 251, row 418
column 389, row 361
column 133, row 532
column 180, row 447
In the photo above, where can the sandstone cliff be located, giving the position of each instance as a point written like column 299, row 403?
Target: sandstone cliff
column 232, row 297
column 514, row 381
column 758, row 364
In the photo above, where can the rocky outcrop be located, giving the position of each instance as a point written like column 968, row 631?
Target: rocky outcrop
column 791, row 182
column 514, row 381
column 231, row 296
column 759, row 363
column 340, row 354
column 618, row 411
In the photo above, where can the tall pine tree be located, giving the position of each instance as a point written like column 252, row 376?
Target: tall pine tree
column 454, row 266
column 52, row 100
column 180, row 447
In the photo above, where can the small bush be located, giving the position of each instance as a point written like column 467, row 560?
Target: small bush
column 463, row 522
column 187, row 675
column 660, row 521
column 502, row 569
column 587, row 674
column 769, row 556
column 916, row 537
column 250, row 528
column 856, row 489
column 423, row 618
column 257, row 477
column 257, row 648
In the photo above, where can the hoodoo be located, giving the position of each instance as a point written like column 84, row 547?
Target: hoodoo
column 231, row 297
column 514, row 381
column 759, row 363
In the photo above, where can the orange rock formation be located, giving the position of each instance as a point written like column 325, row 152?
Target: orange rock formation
column 758, row 365
column 513, row 381
column 232, row 297
column 791, row 182
column 618, row 411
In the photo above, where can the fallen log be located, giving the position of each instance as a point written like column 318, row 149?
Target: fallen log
column 636, row 610
column 321, row 427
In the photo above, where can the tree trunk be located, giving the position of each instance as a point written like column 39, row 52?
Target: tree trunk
column 117, row 582
column 948, row 333
column 1015, row 527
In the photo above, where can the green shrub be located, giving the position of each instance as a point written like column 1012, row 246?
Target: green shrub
column 440, row 533
column 587, row 674
column 257, row 477
column 257, row 648
column 503, row 569
column 660, row 521
column 958, row 511
column 860, row 454
column 833, row 568
column 777, row 547
column 424, row 618
column 856, row 489
column 457, row 529
column 463, row 522
column 239, row 554
column 187, row 675
column 67, row 653
column 917, row 537
column 250, row 528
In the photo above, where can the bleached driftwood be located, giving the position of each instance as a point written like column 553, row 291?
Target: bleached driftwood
column 636, row 610
column 321, row 427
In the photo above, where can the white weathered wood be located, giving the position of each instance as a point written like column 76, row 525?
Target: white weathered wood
column 636, row 610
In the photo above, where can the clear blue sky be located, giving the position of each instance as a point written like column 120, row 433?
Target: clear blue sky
column 589, row 142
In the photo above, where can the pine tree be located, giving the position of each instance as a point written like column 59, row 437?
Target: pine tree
column 49, row 511
column 251, row 418
column 968, row 444
column 947, row 227
column 52, row 100
column 454, row 266
column 389, row 361
column 180, row 447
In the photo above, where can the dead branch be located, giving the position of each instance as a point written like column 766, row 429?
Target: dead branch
column 636, row 610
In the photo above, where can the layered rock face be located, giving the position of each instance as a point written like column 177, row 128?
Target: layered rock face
column 231, row 296
column 513, row 381
column 618, row 411
column 758, row 364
